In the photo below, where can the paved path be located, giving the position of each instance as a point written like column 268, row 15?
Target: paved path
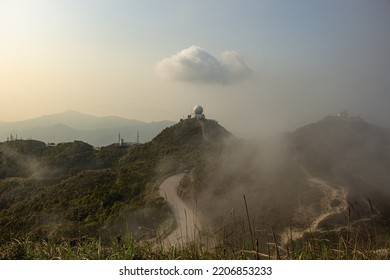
column 188, row 225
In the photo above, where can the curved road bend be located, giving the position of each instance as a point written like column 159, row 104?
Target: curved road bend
column 188, row 225
column 330, row 193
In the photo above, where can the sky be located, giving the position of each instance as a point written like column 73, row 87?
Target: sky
column 257, row 67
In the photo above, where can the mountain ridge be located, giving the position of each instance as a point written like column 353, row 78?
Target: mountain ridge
column 98, row 131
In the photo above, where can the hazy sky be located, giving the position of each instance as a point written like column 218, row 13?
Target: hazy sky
column 255, row 66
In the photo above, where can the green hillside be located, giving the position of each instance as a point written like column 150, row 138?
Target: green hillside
column 325, row 183
column 73, row 191
column 44, row 190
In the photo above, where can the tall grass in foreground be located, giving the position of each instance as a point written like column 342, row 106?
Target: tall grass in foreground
column 154, row 249
column 236, row 240
column 94, row 249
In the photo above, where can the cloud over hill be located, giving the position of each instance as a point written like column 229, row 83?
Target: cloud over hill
column 196, row 65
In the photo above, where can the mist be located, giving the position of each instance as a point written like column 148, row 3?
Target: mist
column 265, row 173
column 24, row 164
column 319, row 178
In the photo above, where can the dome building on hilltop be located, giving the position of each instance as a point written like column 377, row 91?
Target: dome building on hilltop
column 197, row 112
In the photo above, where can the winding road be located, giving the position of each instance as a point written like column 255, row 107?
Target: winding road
column 188, row 225
column 329, row 194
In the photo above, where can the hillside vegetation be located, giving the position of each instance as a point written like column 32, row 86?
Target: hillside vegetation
column 73, row 191
column 65, row 191
column 318, row 192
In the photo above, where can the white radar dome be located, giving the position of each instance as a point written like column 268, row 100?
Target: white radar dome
column 198, row 110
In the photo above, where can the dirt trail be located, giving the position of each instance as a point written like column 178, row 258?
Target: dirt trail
column 188, row 225
column 204, row 134
column 330, row 194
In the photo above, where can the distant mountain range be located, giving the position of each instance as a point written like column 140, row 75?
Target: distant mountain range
column 71, row 125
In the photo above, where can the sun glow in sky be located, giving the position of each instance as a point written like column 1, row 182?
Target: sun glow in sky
column 258, row 67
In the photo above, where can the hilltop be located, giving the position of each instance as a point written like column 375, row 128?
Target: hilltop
column 348, row 152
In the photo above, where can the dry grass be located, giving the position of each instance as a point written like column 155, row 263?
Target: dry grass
column 236, row 244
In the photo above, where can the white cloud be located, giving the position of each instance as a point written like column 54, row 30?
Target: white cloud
column 196, row 65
